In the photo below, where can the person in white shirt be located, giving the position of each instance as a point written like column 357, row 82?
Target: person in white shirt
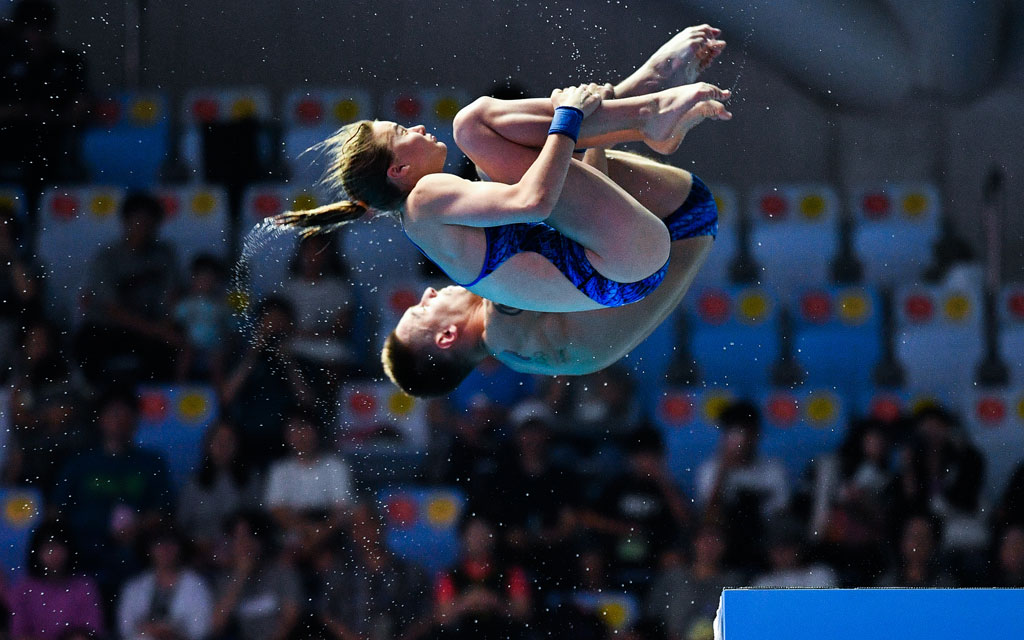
column 169, row 601
column 309, row 492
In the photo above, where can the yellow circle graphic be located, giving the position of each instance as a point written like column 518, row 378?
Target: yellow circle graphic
column 753, row 307
column 821, row 409
column 915, row 204
column 957, row 307
column 19, row 510
column 238, row 301
column 1020, row 409
column 8, row 201
column 192, row 406
column 304, row 201
column 145, row 112
column 714, row 404
column 441, row 511
column 614, row 614
column 446, row 108
column 923, row 402
column 103, row 205
column 243, row 108
column 400, row 403
column 812, row 207
column 203, row 203
column 346, row 110
column 853, row 308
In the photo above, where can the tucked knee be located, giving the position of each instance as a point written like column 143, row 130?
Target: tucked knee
column 471, row 121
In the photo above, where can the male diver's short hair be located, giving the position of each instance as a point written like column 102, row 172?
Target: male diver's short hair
column 423, row 374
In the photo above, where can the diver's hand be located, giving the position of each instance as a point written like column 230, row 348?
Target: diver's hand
column 580, row 97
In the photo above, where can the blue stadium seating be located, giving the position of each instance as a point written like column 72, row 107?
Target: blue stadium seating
column 21, row 510
column 421, row 524
column 372, row 413
column 715, row 271
column 838, row 338
column 687, row 420
column 939, row 338
column 800, row 426
column 794, row 235
column 896, row 227
column 735, row 338
column 129, row 140
column 173, row 421
column 196, row 220
column 206, row 105
column 995, row 422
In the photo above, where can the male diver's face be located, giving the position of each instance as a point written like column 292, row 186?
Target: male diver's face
column 416, row 152
column 422, row 324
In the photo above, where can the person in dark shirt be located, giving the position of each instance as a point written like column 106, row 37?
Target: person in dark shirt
column 112, row 495
column 642, row 512
column 42, row 99
column 129, row 334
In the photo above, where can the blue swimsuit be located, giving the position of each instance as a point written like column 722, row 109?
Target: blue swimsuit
column 698, row 216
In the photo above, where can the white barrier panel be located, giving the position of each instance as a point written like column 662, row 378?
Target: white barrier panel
column 877, row 614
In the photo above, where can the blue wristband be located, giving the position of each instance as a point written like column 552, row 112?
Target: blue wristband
column 567, row 122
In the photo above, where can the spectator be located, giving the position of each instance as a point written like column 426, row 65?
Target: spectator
column 918, row 562
column 223, row 484
column 605, row 404
column 41, row 368
column 169, row 601
column 850, row 502
column 482, row 597
column 319, row 292
column 52, row 600
column 1009, row 564
column 44, row 442
column 372, row 594
column 42, row 100
column 788, row 562
column 685, row 597
column 310, row 491
column 473, row 455
column 266, row 383
column 205, row 319
column 109, row 495
column 20, row 286
column 642, row 512
column 537, row 503
column 258, row 596
column 942, row 472
column 739, row 487
column 129, row 334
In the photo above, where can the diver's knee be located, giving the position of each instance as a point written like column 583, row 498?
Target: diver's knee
column 471, row 120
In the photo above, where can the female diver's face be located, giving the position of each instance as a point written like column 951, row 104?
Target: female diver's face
column 416, row 152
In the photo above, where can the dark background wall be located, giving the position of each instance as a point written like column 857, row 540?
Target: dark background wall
column 952, row 69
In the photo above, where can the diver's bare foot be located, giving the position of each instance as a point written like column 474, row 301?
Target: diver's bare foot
column 677, row 62
column 675, row 111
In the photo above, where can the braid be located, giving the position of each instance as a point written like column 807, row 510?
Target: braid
column 321, row 220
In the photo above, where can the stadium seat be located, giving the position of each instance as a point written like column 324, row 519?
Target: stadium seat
column 173, row 421
column 794, row 235
column 995, row 422
column 1011, row 331
column 715, row 271
column 800, row 426
column 421, row 524
column 22, row 510
column 838, row 338
column 433, row 108
column 735, row 338
column 939, row 338
column 13, row 197
column 896, row 225
column 128, row 141
column 310, row 116
column 378, row 413
column 688, row 421
column 74, row 223
column 266, row 251
column 196, row 221
column 207, row 105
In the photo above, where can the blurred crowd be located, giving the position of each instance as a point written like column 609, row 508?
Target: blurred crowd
column 274, row 535
column 569, row 492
